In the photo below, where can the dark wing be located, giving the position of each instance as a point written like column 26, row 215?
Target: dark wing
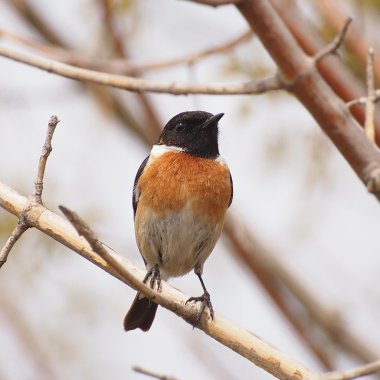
column 136, row 193
column 232, row 191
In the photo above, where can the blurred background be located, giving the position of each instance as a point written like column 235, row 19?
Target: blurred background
column 299, row 261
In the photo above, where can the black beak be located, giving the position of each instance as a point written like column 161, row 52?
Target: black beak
column 212, row 120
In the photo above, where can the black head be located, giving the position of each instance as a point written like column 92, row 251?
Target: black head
column 196, row 132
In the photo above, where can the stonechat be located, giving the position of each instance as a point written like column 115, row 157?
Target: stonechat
column 181, row 193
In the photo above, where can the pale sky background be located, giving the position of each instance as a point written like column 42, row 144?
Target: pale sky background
column 291, row 187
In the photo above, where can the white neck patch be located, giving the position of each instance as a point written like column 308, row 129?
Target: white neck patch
column 158, row 150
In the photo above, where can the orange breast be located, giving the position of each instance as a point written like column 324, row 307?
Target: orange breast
column 173, row 179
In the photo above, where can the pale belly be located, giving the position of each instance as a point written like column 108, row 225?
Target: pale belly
column 178, row 242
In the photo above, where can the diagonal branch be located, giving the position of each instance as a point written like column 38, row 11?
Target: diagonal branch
column 313, row 92
column 274, row 275
column 227, row 333
column 342, row 81
column 275, row 279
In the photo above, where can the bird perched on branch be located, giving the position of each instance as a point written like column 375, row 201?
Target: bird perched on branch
column 180, row 196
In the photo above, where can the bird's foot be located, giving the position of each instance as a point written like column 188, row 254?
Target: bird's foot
column 206, row 301
column 155, row 277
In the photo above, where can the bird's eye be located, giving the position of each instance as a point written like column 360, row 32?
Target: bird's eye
column 179, row 127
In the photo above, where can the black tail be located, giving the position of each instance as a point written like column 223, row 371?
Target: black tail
column 141, row 314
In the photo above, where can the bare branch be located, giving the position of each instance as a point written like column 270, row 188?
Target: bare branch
column 314, row 93
column 117, row 65
column 227, row 333
column 192, row 58
column 327, row 50
column 343, row 82
column 155, row 375
column 335, row 14
column 369, row 125
column 105, row 97
column 354, row 373
column 137, row 84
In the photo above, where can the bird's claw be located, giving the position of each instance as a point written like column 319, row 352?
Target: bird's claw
column 155, row 277
column 206, row 301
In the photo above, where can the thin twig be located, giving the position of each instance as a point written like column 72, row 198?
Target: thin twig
column 327, row 50
column 152, row 120
column 23, row 224
column 46, row 149
column 314, row 93
column 363, row 100
column 271, row 83
column 335, row 44
column 84, row 230
column 369, row 125
column 33, row 17
column 192, row 58
column 112, row 28
column 117, row 65
column 354, row 373
column 334, row 71
column 104, row 96
column 21, row 227
column 334, row 14
column 153, row 374
column 33, row 44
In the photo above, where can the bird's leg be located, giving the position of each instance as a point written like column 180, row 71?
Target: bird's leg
column 204, row 298
column 155, row 276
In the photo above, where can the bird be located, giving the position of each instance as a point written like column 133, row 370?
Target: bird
column 181, row 193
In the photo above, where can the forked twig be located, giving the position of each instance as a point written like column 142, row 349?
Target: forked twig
column 23, row 224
